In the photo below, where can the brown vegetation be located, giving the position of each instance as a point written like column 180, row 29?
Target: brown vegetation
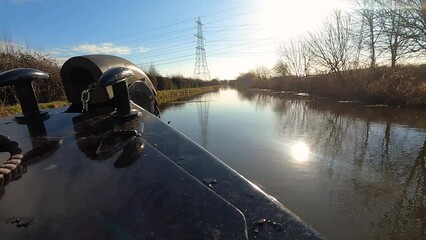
column 15, row 57
column 402, row 85
column 12, row 56
column 50, row 93
column 166, row 96
column 176, row 81
column 356, row 56
column 398, row 86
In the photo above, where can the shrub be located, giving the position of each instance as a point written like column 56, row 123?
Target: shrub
column 46, row 91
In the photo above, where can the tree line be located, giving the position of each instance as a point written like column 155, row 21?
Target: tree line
column 373, row 52
column 375, row 33
column 175, row 81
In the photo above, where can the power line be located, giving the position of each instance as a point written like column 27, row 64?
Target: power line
column 180, row 34
column 124, row 36
column 226, row 48
column 186, row 46
column 184, row 36
column 168, row 63
column 163, row 52
column 167, row 59
column 186, row 21
column 168, row 49
column 213, row 56
column 158, row 36
column 234, row 53
column 175, row 32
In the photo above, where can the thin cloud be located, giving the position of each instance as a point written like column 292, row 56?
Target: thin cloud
column 61, row 60
column 143, row 49
column 103, row 48
column 6, row 45
column 54, row 52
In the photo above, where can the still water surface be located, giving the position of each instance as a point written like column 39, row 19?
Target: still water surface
column 350, row 171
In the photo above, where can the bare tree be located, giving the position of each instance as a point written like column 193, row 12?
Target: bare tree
column 295, row 56
column 331, row 47
column 152, row 73
column 394, row 30
column 414, row 23
column 369, row 13
column 262, row 72
column 280, row 69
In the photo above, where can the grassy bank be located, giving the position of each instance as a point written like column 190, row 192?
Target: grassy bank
column 163, row 97
column 179, row 94
column 16, row 108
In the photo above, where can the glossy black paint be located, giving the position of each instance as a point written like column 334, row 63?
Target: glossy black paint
column 77, row 73
column 94, row 178
column 115, row 75
column 21, row 75
column 70, row 196
column 21, row 79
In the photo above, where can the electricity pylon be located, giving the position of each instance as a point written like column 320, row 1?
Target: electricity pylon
column 201, row 70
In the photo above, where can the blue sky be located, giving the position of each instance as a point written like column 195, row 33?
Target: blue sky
column 240, row 34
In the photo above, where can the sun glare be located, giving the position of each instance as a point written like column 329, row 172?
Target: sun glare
column 228, row 97
column 300, row 151
column 278, row 21
column 288, row 18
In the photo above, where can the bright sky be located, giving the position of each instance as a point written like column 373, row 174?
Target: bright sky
column 239, row 34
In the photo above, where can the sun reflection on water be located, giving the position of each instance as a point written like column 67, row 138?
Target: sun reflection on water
column 300, row 151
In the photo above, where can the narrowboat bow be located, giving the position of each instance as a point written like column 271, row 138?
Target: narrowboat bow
column 106, row 167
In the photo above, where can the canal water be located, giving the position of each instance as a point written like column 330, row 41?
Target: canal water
column 350, row 171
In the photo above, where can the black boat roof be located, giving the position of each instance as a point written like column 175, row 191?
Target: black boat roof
column 159, row 190
column 73, row 175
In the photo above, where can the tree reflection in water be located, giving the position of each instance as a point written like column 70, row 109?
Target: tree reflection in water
column 374, row 158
